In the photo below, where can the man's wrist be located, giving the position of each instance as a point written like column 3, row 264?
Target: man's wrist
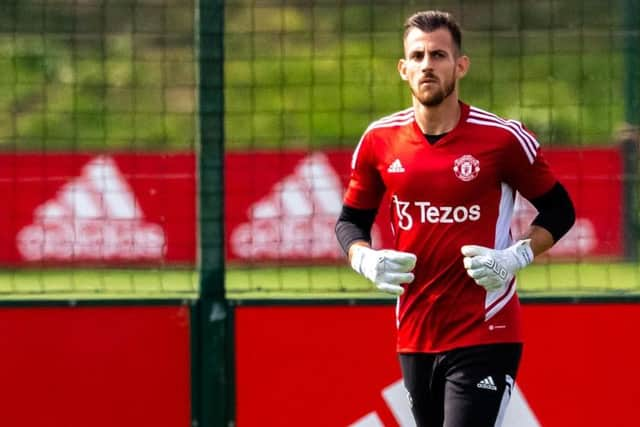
column 356, row 248
column 524, row 252
column 356, row 255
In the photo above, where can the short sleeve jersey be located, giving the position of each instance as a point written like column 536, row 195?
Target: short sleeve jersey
column 458, row 191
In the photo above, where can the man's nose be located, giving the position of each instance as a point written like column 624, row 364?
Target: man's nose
column 426, row 63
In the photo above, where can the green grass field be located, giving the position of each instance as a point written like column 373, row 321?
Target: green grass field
column 587, row 279
column 341, row 282
column 97, row 284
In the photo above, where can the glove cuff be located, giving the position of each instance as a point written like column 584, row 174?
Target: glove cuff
column 358, row 252
column 524, row 252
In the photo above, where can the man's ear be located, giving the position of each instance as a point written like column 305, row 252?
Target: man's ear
column 402, row 69
column 462, row 66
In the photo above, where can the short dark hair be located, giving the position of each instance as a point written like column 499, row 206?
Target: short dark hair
column 430, row 20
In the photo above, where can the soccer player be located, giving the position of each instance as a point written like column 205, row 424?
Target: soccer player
column 452, row 172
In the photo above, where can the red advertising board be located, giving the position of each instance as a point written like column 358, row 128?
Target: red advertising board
column 594, row 178
column 336, row 366
column 97, row 209
column 283, row 206
column 95, row 366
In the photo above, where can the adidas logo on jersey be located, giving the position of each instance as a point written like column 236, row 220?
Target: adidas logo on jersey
column 487, row 384
column 396, row 167
column 93, row 217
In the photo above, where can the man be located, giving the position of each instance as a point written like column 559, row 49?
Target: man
column 451, row 171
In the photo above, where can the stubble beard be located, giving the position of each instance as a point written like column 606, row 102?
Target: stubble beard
column 436, row 98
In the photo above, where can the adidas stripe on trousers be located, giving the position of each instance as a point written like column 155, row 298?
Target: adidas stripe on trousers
column 465, row 387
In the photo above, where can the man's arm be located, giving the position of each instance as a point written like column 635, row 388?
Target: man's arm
column 541, row 239
column 556, row 216
column 353, row 249
column 354, row 226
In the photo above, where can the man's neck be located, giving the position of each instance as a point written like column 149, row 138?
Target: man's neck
column 438, row 119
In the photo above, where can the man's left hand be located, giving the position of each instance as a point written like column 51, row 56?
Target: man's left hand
column 493, row 269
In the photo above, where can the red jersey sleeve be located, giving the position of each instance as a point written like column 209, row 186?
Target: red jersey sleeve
column 365, row 188
column 526, row 169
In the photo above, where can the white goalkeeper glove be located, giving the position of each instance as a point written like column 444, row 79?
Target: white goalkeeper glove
column 493, row 269
column 387, row 269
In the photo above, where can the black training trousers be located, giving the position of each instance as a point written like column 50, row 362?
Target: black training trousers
column 465, row 387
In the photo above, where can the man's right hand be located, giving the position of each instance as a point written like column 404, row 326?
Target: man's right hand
column 387, row 269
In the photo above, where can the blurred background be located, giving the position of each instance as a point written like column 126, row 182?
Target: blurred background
column 171, row 172
column 101, row 153
column 110, row 89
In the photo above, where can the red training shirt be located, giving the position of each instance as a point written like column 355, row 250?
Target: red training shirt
column 458, row 191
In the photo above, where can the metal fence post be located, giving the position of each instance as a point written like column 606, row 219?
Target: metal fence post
column 212, row 320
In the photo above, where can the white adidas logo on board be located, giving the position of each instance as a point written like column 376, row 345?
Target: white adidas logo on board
column 94, row 217
column 296, row 219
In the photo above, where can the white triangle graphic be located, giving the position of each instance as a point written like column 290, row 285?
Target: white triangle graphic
column 296, row 218
column 518, row 413
column 396, row 397
column 396, row 167
column 94, row 217
column 370, row 420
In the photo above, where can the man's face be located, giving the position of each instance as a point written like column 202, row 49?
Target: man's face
column 431, row 65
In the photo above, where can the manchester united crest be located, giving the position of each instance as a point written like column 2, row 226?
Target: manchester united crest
column 466, row 167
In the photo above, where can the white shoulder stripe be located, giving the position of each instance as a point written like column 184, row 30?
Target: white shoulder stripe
column 530, row 152
column 398, row 119
column 516, row 125
column 390, row 123
column 400, row 115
